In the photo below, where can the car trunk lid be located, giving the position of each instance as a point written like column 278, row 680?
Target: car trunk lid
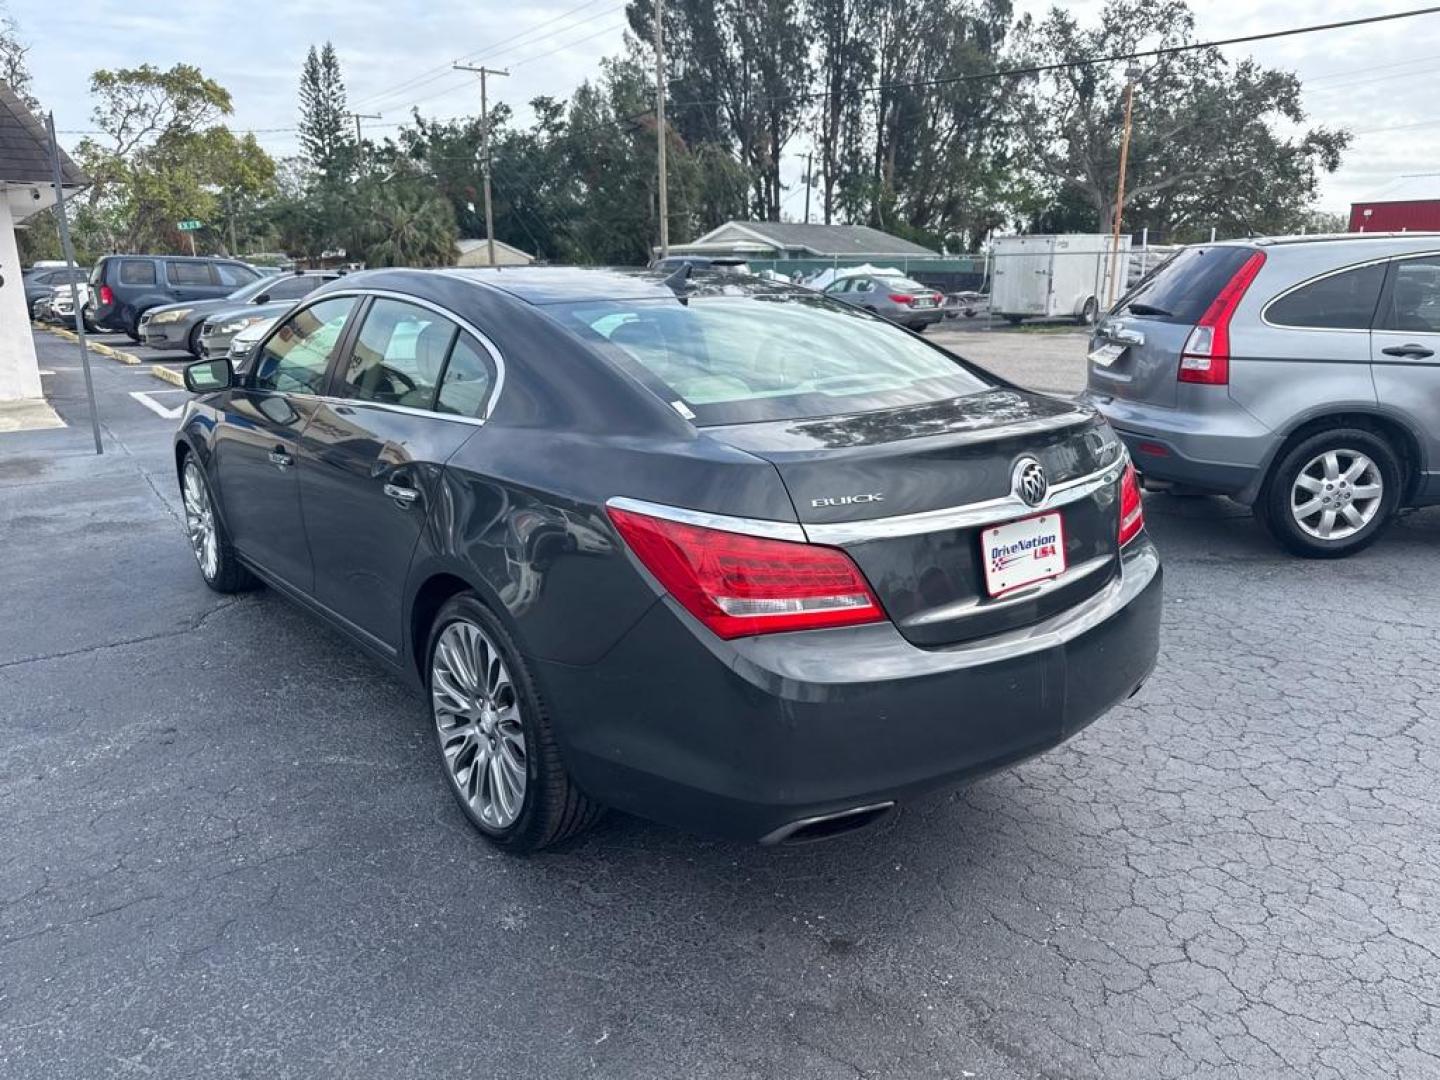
column 909, row 492
column 1135, row 350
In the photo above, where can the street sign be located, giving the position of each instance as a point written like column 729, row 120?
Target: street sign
column 190, row 225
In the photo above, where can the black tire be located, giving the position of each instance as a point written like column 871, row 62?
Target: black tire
column 1088, row 313
column 192, row 343
column 1014, row 320
column 920, row 329
column 1275, row 504
column 228, row 575
column 132, row 328
column 553, row 809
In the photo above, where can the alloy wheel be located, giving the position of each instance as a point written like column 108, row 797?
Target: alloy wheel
column 478, row 719
column 1337, row 494
column 200, row 521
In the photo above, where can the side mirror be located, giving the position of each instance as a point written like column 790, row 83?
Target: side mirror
column 263, row 298
column 208, row 376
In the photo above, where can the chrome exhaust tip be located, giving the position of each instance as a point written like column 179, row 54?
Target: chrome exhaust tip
column 824, row 826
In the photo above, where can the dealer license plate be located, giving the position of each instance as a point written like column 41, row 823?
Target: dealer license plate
column 1023, row 552
column 1106, row 355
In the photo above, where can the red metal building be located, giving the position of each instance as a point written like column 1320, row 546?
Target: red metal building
column 1409, row 215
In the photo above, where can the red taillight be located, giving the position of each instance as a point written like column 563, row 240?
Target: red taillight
column 107, row 295
column 1132, row 509
column 902, row 298
column 1206, row 355
column 938, row 299
column 739, row 585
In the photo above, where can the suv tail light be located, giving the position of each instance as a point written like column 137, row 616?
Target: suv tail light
column 1206, row 355
column 902, row 298
column 107, row 296
column 740, row 585
column 1132, row 507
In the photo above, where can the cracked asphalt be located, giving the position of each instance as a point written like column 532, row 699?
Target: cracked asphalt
column 227, row 850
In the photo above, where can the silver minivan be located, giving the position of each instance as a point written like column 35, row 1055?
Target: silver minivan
column 1298, row 375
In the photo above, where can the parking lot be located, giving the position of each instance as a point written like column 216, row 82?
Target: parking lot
column 229, row 851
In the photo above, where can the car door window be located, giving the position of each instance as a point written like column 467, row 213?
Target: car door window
column 1413, row 303
column 294, row 359
column 469, row 375
column 188, row 273
column 293, row 288
column 398, row 355
column 1343, row 301
column 137, row 272
column 232, row 276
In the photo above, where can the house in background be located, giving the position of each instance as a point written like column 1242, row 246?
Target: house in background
column 477, row 253
column 784, row 241
column 26, row 188
column 1409, row 204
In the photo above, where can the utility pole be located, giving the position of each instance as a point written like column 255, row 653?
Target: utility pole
column 485, row 149
column 359, row 137
column 809, row 165
column 230, row 213
column 1131, row 74
column 660, row 126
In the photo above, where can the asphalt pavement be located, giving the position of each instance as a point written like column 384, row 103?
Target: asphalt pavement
column 228, row 850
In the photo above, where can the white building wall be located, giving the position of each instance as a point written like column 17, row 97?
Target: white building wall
column 19, row 369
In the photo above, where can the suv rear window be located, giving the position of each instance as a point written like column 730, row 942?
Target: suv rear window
column 1180, row 289
column 734, row 359
column 137, row 272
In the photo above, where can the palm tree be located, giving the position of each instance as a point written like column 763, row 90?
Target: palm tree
column 407, row 225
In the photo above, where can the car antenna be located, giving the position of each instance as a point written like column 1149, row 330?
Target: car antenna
column 679, row 281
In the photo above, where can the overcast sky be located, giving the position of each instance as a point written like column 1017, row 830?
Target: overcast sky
column 395, row 54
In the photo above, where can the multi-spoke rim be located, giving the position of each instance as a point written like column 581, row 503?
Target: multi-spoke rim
column 478, row 719
column 1337, row 494
column 200, row 521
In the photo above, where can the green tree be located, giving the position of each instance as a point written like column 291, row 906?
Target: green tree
column 1204, row 151
column 845, row 58
column 324, row 125
column 13, row 68
column 405, row 224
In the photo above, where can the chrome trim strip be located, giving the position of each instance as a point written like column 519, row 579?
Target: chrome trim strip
column 763, row 527
column 989, row 512
column 386, row 406
column 977, row 605
column 784, row 832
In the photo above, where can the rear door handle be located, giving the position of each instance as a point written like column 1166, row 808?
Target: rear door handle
column 404, row 496
column 1419, row 352
column 280, row 459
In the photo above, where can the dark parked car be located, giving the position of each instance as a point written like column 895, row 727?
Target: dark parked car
column 124, row 287
column 179, row 326
column 717, row 552
column 40, row 284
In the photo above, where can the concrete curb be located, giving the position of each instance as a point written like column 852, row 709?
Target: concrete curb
column 98, row 348
column 165, row 374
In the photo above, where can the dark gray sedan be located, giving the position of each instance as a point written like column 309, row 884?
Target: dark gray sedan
column 715, row 551
column 177, row 327
column 218, row 331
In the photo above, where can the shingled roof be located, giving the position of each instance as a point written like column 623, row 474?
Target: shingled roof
column 25, row 147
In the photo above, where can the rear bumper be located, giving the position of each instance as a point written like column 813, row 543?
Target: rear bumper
column 1220, row 448
column 744, row 738
column 924, row 318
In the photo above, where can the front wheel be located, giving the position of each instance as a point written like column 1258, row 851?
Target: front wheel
column 496, row 743
column 1332, row 494
column 219, row 565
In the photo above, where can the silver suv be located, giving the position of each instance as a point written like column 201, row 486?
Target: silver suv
column 1300, row 375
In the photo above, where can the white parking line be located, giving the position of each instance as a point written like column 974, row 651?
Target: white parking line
column 147, row 399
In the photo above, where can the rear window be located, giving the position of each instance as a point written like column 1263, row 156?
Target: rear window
column 137, row 272
column 1180, row 289
column 781, row 356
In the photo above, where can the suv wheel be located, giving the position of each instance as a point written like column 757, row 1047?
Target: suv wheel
column 496, row 744
column 1332, row 494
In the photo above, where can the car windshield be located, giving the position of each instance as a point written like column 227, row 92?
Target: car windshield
column 255, row 288
column 729, row 359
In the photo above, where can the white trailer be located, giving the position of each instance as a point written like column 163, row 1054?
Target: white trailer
column 1054, row 277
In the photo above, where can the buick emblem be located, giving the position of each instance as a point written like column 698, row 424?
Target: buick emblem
column 1029, row 481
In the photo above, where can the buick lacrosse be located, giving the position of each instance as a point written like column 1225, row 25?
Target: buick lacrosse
column 709, row 549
